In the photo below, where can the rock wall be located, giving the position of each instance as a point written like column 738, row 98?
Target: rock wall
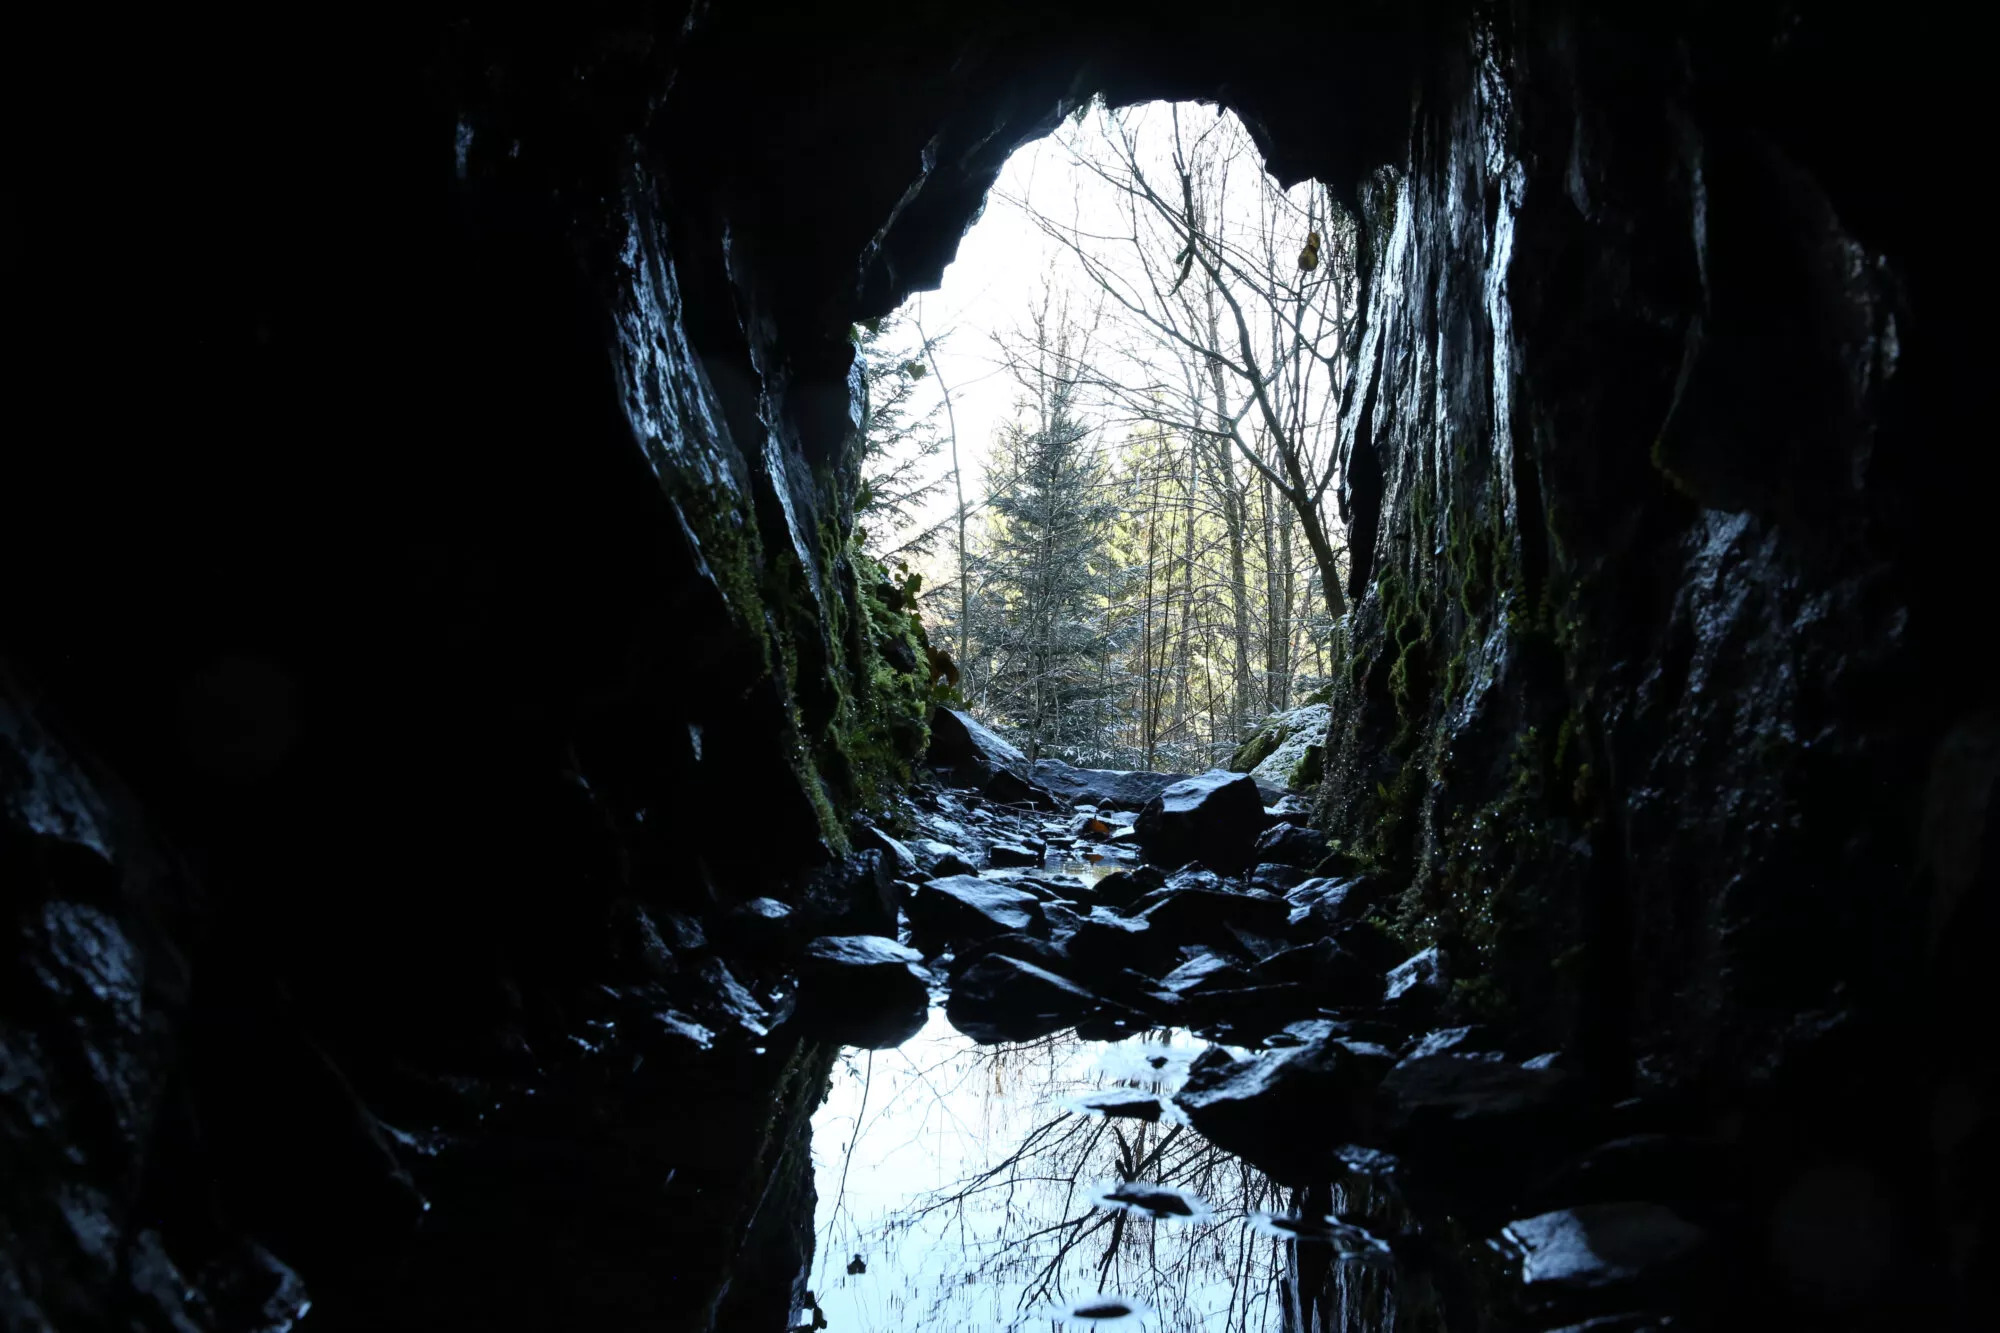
column 1653, row 694
column 428, row 517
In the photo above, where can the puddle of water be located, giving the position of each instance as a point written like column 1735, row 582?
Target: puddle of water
column 961, row 1187
column 1088, row 871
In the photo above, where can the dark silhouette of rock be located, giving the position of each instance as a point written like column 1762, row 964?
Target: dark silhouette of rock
column 855, row 895
column 762, row 928
column 1107, row 789
column 1153, row 1200
column 1001, row 998
column 1418, row 982
column 1284, row 1111
column 1207, row 970
column 902, row 861
column 942, row 861
column 1211, row 917
column 1213, row 818
column 1036, row 949
column 862, row 990
column 1291, row 845
column 1328, row 973
column 1012, row 854
column 978, row 757
column 1667, row 1168
column 1106, row 941
column 966, row 907
column 1274, row 878
column 1616, row 1250
column 1320, row 905
column 1461, row 1100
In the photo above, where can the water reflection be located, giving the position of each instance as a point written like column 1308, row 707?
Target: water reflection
column 969, row 1187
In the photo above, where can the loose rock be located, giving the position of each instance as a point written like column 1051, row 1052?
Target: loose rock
column 965, row 907
column 1603, row 1246
column 1213, row 818
column 1105, row 788
column 862, row 990
column 1283, row 1111
column 1000, row 999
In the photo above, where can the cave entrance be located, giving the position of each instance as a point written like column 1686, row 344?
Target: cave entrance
column 1102, row 450
column 1105, row 443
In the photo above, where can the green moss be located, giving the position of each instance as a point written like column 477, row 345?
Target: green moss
column 881, row 724
column 860, row 721
column 1254, row 751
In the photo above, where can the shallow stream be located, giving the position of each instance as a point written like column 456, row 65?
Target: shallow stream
column 968, row 1187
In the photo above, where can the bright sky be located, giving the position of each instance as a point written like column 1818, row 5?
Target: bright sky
column 987, row 289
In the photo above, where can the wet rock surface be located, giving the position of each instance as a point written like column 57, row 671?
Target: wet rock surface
column 1212, row 818
column 1107, row 789
column 1339, row 1057
column 494, row 615
column 862, row 990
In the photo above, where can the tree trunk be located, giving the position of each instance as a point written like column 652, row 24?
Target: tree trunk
column 1232, row 516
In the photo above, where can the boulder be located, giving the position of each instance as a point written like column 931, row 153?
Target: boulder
column 1289, row 809
column 1204, row 971
column 1275, row 878
column 762, row 928
column 1211, row 917
column 1105, row 788
column 862, row 990
column 1119, row 889
column 1418, row 982
column 1063, row 919
column 856, row 895
column 966, row 907
column 1013, row 854
column 1244, row 1015
column 1329, row 974
column 1283, row 1111
column 1106, row 942
column 1213, row 818
column 975, row 756
column 902, row 861
column 1461, row 1106
column 1320, row 906
column 940, row 858
column 999, row 998
column 1291, row 845
column 1027, row 948
column 1283, row 753
column 1471, row 1037
column 1623, row 1250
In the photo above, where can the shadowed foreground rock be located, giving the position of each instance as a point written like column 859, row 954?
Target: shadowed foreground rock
column 862, row 990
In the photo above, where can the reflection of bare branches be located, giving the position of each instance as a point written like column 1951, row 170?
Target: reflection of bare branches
column 1189, row 1269
column 1001, row 1215
column 860, row 1118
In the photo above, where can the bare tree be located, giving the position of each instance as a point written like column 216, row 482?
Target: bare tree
column 1237, row 314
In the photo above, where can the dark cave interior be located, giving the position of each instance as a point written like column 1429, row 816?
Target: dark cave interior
column 430, row 600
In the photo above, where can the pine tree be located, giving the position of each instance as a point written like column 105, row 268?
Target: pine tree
column 1047, row 578
column 898, row 443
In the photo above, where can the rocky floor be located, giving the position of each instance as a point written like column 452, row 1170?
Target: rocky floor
column 1511, row 1192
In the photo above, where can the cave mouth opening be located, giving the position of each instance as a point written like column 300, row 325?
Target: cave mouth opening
column 1103, row 445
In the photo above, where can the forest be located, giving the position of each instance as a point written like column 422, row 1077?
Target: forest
column 1149, row 563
